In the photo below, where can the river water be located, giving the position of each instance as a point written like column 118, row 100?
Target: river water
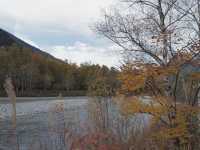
column 53, row 123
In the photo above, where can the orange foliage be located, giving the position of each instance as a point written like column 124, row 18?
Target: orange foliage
column 171, row 119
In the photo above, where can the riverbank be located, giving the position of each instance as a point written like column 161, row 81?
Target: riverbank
column 47, row 93
column 32, row 99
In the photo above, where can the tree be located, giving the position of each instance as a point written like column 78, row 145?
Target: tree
column 173, row 120
column 192, row 20
column 145, row 21
column 105, row 82
column 151, row 30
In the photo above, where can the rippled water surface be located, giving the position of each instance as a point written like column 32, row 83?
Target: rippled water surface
column 52, row 123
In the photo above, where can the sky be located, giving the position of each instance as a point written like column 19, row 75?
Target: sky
column 61, row 28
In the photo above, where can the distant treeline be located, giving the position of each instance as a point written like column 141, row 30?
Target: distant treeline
column 36, row 75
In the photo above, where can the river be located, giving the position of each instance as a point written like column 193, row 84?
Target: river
column 53, row 123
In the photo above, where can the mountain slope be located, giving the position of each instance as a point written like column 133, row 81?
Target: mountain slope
column 8, row 39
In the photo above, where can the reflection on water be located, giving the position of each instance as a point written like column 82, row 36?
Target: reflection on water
column 54, row 124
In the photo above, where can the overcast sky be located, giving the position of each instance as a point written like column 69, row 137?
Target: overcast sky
column 60, row 27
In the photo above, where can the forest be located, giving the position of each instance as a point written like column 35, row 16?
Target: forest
column 36, row 75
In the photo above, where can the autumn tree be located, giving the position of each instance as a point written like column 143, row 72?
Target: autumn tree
column 165, row 63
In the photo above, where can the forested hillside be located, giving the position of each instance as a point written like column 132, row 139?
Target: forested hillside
column 36, row 73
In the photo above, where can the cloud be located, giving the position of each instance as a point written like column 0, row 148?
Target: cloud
column 50, row 24
column 52, row 21
column 81, row 52
column 73, row 15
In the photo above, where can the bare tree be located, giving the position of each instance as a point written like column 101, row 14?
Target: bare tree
column 192, row 20
column 150, row 27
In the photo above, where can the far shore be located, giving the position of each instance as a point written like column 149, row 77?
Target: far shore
column 31, row 99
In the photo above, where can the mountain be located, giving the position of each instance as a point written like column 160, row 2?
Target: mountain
column 8, row 39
